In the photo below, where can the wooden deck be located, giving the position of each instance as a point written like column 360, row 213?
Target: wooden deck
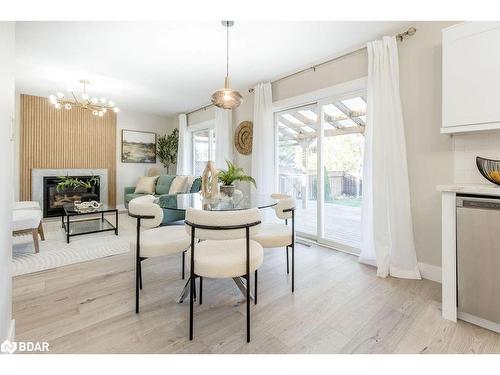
column 342, row 223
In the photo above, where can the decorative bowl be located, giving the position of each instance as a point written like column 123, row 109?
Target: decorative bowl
column 489, row 168
column 87, row 206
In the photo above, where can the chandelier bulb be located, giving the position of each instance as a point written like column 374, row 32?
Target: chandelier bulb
column 60, row 95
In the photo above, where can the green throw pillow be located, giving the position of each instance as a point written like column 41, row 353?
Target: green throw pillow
column 163, row 184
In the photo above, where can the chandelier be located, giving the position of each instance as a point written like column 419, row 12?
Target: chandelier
column 227, row 98
column 98, row 106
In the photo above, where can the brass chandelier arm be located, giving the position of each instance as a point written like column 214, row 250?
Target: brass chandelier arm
column 97, row 108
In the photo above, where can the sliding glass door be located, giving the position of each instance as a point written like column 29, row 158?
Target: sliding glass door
column 297, row 162
column 320, row 162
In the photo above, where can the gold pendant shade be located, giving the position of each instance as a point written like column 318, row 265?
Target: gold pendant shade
column 226, row 98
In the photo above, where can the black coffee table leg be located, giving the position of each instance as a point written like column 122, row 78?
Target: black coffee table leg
column 116, row 222
column 67, row 228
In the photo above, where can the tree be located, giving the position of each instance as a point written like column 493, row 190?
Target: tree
column 167, row 147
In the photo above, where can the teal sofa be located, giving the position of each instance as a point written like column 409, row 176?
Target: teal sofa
column 161, row 189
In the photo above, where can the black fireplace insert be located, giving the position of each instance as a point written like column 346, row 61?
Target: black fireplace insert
column 54, row 198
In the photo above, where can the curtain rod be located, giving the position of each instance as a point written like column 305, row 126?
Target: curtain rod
column 401, row 36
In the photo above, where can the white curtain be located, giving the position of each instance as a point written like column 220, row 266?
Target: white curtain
column 183, row 159
column 387, row 229
column 263, row 139
column 223, row 137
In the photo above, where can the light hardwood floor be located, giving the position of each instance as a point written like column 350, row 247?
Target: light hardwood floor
column 339, row 306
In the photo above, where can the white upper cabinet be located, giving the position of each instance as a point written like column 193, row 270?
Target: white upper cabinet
column 471, row 77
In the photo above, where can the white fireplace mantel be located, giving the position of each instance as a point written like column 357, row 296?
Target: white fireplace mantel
column 37, row 175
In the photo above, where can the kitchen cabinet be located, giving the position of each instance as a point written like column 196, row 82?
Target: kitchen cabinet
column 471, row 77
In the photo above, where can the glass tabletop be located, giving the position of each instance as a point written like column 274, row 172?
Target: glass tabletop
column 194, row 200
column 70, row 209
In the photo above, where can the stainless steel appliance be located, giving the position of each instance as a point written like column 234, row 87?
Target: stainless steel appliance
column 478, row 260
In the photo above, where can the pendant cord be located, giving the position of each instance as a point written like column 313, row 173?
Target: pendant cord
column 227, row 51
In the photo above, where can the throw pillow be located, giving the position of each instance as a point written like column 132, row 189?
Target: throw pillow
column 146, row 185
column 163, row 184
column 189, row 184
column 178, row 185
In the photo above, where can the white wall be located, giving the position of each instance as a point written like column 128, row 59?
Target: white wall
column 127, row 174
column 7, row 32
column 430, row 155
column 465, row 149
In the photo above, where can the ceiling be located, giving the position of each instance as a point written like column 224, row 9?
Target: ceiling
column 172, row 67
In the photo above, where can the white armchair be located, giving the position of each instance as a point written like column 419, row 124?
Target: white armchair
column 281, row 234
column 156, row 241
column 225, row 250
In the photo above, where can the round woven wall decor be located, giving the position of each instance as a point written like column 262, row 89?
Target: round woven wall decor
column 243, row 137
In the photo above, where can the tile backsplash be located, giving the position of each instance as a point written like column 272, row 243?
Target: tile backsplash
column 465, row 149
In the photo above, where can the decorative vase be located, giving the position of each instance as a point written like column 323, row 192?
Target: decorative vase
column 209, row 181
column 227, row 190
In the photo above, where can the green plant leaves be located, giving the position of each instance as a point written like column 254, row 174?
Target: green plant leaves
column 166, row 148
column 234, row 173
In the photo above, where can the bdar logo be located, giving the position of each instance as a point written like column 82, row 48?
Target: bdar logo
column 8, row 347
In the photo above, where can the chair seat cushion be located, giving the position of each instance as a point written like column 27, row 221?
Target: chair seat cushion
column 226, row 258
column 26, row 219
column 162, row 241
column 274, row 235
column 26, row 205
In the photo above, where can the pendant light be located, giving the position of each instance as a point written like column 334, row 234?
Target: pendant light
column 227, row 98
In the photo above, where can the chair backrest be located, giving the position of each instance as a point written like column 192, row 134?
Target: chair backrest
column 280, row 196
column 218, row 220
column 146, row 206
column 282, row 205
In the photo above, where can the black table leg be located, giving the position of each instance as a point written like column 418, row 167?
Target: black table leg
column 67, row 228
column 116, row 221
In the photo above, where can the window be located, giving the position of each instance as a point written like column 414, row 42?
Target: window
column 203, row 149
column 330, row 213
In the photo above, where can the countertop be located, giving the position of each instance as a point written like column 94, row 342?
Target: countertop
column 480, row 189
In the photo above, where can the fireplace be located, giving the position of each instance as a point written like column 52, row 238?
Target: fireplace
column 54, row 198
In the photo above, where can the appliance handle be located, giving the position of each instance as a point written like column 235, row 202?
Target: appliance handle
column 478, row 203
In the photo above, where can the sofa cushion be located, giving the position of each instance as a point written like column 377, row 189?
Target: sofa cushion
column 178, row 185
column 163, row 184
column 196, row 186
column 145, row 185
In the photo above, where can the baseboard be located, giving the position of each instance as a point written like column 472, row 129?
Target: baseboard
column 430, row 272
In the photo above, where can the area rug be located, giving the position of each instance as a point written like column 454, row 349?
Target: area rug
column 55, row 252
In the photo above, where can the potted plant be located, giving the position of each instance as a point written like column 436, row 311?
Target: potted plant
column 229, row 176
column 166, row 149
column 73, row 183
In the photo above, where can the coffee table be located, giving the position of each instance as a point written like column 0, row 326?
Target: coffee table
column 78, row 227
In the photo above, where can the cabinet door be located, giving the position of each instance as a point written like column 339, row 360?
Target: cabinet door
column 471, row 74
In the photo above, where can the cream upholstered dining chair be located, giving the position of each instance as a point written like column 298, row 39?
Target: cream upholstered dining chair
column 155, row 241
column 280, row 234
column 225, row 251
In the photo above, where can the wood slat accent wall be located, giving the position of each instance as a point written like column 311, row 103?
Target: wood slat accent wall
column 52, row 138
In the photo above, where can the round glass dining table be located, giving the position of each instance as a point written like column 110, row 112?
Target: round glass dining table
column 238, row 201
